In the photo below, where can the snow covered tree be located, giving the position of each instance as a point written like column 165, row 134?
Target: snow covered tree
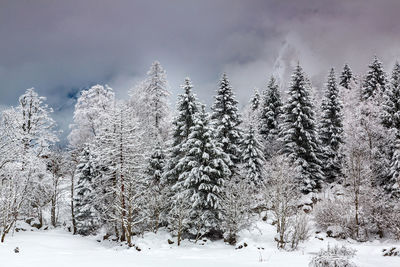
column 121, row 152
column 236, row 206
column 86, row 175
column 187, row 108
column 391, row 101
column 226, row 120
column 393, row 185
column 156, row 203
column 157, row 90
column 298, row 133
column 14, row 181
column 346, row 77
column 91, row 111
column 179, row 215
column 57, row 166
column 204, row 172
column 150, row 100
column 282, row 196
column 251, row 112
column 271, row 111
column 391, row 120
column 331, row 130
column 375, row 80
column 36, row 126
column 255, row 100
column 252, row 158
column 36, row 134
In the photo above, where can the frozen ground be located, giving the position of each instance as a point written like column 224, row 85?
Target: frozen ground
column 60, row 248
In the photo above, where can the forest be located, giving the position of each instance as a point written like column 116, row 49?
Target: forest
column 134, row 166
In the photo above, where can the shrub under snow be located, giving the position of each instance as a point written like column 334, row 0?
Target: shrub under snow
column 334, row 257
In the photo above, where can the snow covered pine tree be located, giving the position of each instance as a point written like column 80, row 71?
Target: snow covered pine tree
column 331, row 131
column 298, row 133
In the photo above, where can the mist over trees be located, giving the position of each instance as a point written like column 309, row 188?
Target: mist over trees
column 138, row 165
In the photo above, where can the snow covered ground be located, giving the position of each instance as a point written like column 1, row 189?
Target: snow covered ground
column 59, row 248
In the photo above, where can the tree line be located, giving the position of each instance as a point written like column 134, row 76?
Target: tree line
column 134, row 166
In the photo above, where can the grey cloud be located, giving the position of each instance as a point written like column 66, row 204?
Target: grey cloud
column 59, row 47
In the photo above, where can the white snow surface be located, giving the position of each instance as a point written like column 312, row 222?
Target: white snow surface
column 57, row 247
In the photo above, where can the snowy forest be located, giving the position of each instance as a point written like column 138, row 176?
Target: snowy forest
column 303, row 164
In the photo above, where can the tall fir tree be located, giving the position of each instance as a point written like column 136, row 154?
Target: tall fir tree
column 86, row 215
column 155, row 205
column 226, row 120
column 155, row 166
column 255, row 100
column 375, row 81
column 391, row 101
column 187, row 108
column 253, row 158
column 346, row 77
column 393, row 186
column 204, row 172
column 331, row 130
column 271, row 111
column 391, row 121
column 299, row 135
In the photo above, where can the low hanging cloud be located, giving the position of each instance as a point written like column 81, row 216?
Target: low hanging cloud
column 61, row 47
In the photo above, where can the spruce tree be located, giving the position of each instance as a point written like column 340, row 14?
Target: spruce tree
column 298, row 133
column 226, row 120
column 205, row 170
column 331, row 130
column 253, row 158
column 155, row 167
column 391, row 121
column 393, row 186
column 375, row 80
column 187, row 108
column 155, row 205
column 86, row 215
column 255, row 100
column 346, row 77
column 391, row 102
column 271, row 111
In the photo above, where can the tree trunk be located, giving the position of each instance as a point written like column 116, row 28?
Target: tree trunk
column 53, row 212
column 72, row 204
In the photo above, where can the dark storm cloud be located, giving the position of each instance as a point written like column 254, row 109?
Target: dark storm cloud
column 60, row 47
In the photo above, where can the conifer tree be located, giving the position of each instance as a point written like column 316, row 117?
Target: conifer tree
column 331, row 130
column 393, row 186
column 391, row 121
column 155, row 190
column 346, row 77
column 298, row 133
column 187, row 108
column 255, row 100
column 205, row 170
column 391, row 101
column 226, row 120
column 375, row 80
column 271, row 111
column 155, row 166
column 253, row 158
column 86, row 215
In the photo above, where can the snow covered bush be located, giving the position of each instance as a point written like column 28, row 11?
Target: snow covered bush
column 334, row 257
column 332, row 216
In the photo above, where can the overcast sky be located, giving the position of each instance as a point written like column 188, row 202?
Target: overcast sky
column 61, row 47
